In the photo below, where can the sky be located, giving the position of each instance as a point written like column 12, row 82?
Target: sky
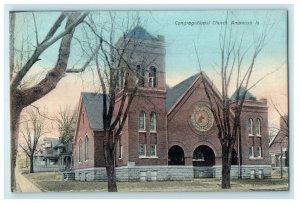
column 183, row 30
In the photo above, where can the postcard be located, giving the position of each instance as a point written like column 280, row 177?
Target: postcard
column 149, row 100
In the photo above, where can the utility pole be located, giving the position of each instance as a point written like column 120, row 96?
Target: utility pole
column 240, row 153
column 281, row 161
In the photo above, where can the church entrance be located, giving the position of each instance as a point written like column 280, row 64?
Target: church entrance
column 203, row 160
column 203, row 156
column 176, row 156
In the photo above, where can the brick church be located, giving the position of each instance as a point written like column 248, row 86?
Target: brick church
column 170, row 133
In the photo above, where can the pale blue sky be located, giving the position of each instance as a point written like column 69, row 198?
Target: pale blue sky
column 181, row 61
column 180, row 39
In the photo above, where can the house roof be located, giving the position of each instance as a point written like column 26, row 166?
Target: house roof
column 51, row 141
column 248, row 96
column 60, row 145
column 139, row 32
column 93, row 103
column 174, row 93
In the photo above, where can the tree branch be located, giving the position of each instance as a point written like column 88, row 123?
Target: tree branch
column 53, row 76
column 35, row 29
column 73, row 21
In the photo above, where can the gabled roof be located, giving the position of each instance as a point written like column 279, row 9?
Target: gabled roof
column 174, row 93
column 248, row 96
column 93, row 103
column 139, row 32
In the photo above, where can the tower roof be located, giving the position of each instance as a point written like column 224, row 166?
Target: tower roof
column 248, row 96
column 139, row 32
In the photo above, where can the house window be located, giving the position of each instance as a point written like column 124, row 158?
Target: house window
column 258, row 152
column 250, row 153
column 152, row 77
column 250, row 127
column 152, row 122
column 80, row 150
column 258, row 127
column 140, row 76
column 142, row 121
column 153, row 150
column 142, row 150
column 87, row 148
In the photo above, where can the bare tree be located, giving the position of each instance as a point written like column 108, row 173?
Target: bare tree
column 282, row 135
column 226, row 112
column 21, row 97
column 284, row 119
column 33, row 131
column 66, row 124
column 119, row 78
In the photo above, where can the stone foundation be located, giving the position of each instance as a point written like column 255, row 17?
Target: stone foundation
column 164, row 173
column 247, row 171
column 138, row 173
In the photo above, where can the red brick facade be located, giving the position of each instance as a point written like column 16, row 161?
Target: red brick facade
column 82, row 130
column 173, row 125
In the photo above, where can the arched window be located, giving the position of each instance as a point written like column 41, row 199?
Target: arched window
column 87, row 148
column 258, row 152
column 153, row 77
column 251, row 152
column 258, row 127
column 80, row 150
column 140, row 76
column 142, row 121
column 152, row 121
column 250, row 126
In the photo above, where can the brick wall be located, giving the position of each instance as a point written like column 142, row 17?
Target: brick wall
column 255, row 110
column 181, row 132
column 147, row 102
column 82, row 130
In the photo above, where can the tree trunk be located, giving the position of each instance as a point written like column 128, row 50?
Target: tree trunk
column 31, row 164
column 15, row 111
column 111, row 178
column 109, row 151
column 226, row 166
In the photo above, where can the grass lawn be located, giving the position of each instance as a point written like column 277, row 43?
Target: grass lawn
column 53, row 182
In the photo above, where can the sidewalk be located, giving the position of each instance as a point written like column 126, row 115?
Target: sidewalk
column 23, row 184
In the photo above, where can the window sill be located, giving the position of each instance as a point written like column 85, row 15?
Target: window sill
column 250, row 135
column 142, row 157
column 198, row 160
column 142, row 131
column 153, row 157
column 256, row 158
column 258, row 135
column 153, row 131
column 148, row 157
